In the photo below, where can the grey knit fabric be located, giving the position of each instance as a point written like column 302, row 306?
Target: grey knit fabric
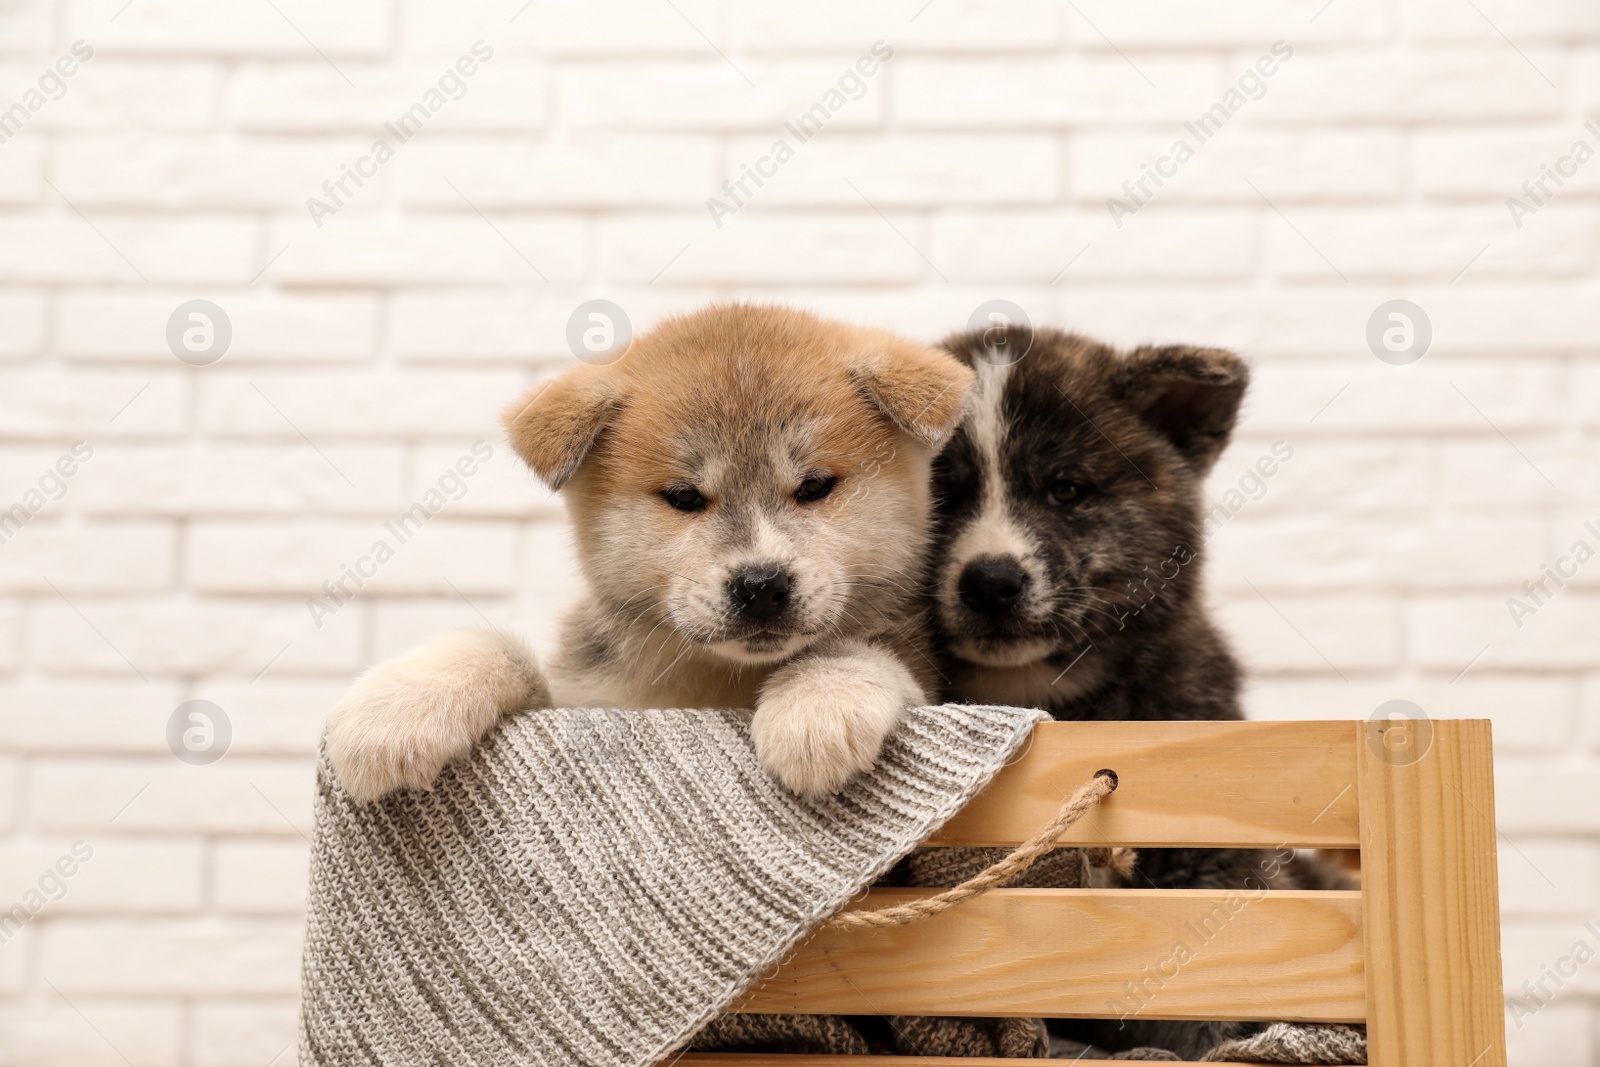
column 1296, row 1043
column 900, row 1035
column 593, row 887
column 1283, row 1043
column 1327, row 1045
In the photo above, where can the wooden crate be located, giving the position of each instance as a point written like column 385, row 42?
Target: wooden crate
column 1415, row 954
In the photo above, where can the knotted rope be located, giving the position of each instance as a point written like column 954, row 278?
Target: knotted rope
column 1075, row 807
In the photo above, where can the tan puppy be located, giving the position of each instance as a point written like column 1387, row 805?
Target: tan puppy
column 749, row 493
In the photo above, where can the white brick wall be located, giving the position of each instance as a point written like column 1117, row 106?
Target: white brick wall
column 369, row 352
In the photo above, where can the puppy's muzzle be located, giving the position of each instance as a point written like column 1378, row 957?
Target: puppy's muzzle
column 760, row 593
column 992, row 586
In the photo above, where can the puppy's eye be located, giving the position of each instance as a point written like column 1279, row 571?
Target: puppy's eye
column 684, row 497
column 1064, row 492
column 814, row 488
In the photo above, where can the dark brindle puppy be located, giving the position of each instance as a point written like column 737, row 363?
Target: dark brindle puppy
column 1067, row 562
column 1069, row 529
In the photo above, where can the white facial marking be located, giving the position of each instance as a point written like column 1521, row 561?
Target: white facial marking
column 1012, row 654
column 994, row 531
column 775, row 651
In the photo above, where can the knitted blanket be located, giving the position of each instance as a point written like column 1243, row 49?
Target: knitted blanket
column 593, row 887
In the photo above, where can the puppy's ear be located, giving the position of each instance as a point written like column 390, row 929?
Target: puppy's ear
column 922, row 390
column 1190, row 395
column 554, row 426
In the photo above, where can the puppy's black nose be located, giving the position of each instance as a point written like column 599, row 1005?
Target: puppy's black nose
column 992, row 585
column 760, row 592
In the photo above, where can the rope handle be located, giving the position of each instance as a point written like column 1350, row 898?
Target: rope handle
column 1075, row 807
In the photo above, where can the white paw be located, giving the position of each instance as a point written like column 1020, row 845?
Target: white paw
column 404, row 720
column 819, row 724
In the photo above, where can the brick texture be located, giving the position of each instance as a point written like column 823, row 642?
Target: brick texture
column 385, row 305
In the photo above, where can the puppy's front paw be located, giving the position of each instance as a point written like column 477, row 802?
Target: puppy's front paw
column 404, row 720
column 819, row 723
column 380, row 738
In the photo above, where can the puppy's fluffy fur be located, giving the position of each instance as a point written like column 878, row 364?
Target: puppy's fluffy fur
column 1068, row 528
column 748, row 488
column 1067, row 568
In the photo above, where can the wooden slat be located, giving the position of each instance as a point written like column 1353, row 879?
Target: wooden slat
column 752, row 1059
column 1264, row 784
column 1432, row 911
column 1074, row 952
